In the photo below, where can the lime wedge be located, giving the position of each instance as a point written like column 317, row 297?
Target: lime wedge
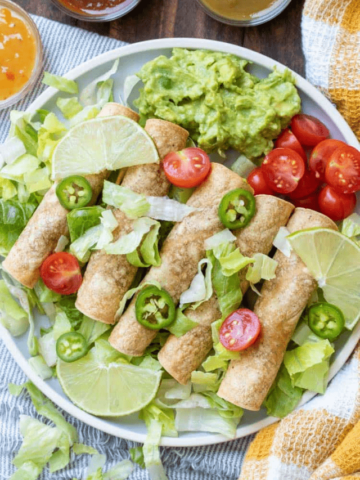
column 107, row 388
column 334, row 261
column 105, row 143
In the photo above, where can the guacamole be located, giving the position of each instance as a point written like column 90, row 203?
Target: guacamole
column 217, row 100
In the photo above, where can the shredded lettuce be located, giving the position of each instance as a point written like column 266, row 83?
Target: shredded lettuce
column 220, row 359
column 130, row 242
column 92, row 329
column 303, row 334
column 69, row 107
column 40, row 368
column 38, row 180
column 209, row 380
column 67, row 305
column 11, row 150
column 23, row 128
column 147, row 253
column 180, row 194
column 22, row 165
column 132, row 204
column 181, row 325
column 50, row 133
column 129, row 84
column 163, row 208
column 80, row 220
column 199, row 419
column 282, row 243
column 351, row 227
column 243, row 166
column 263, row 268
column 104, row 93
column 309, row 364
column 12, row 315
column 137, row 456
column 283, row 396
column 87, row 113
column 88, row 95
column 7, row 189
column 220, row 238
column 60, row 83
column 230, row 258
column 200, row 289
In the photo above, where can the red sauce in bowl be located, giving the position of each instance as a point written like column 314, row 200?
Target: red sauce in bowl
column 93, row 7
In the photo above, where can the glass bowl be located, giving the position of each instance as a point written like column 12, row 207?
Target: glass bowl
column 257, row 19
column 126, row 7
column 39, row 54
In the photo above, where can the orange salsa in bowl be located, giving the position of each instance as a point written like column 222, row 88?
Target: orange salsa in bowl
column 20, row 53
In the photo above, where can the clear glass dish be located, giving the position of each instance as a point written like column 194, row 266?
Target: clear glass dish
column 257, row 19
column 126, row 7
column 39, row 54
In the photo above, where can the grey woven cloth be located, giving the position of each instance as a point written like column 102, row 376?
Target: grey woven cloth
column 64, row 48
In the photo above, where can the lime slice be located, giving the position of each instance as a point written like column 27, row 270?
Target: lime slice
column 334, row 261
column 107, row 388
column 105, row 143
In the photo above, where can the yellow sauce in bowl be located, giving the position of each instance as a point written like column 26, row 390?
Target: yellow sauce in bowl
column 18, row 51
column 238, row 9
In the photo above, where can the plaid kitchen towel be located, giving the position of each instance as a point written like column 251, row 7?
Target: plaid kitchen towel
column 321, row 441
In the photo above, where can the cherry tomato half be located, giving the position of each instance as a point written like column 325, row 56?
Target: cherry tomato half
column 308, row 130
column 61, row 273
column 288, row 140
column 283, row 168
column 336, row 205
column 343, row 170
column 312, row 202
column 187, row 168
column 308, row 184
column 321, row 155
column 256, row 180
column 240, row 330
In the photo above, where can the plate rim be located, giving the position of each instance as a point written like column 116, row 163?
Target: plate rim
column 191, row 43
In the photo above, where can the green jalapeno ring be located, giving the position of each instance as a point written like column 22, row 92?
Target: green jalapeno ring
column 71, row 346
column 326, row 320
column 152, row 304
column 237, row 208
column 74, row 192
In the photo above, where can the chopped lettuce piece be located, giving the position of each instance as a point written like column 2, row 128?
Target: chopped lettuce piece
column 104, row 93
column 61, row 244
column 181, row 325
column 200, row 289
column 220, row 238
column 243, row 166
column 220, row 359
column 27, row 471
column 11, row 150
column 264, row 268
column 303, row 334
column 180, row 194
column 130, row 242
column 308, row 365
column 132, row 204
column 14, row 216
column 129, row 84
column 60, row 83
column 351, row 226
column 163, row 208
column 283, row 397
column 81, row 219
column 7, row 189
column 88, row 113
column 210, row 380
column 12, row 315
column 148, row 253
column 24, row 129
column 83, row 245
column 108, row 224
column 67, row 305
column 22, row 165
column 92, row 329
column 38, row 180
column 88, row 95
column 137, row 456
column 40, row 368
column 69, row 107
column 282, row 243
column 230, row 258
column 80, row 449
column 205, row 420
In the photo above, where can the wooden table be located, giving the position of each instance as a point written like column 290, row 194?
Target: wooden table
column 279, row 39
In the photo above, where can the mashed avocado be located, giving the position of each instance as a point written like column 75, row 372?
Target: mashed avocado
column 217, row 101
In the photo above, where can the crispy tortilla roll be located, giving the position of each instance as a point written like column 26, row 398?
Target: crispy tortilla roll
column 109, row 277
column 180, row 255
column 40, row 236
column 279, row 308
column 181, row 356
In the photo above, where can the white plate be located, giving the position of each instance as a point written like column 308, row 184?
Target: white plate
column 132, row 58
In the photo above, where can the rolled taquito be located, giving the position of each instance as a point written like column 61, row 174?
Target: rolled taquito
column 181, row 356
column 180, row 255
column 109, row 277
column 41, row 235
column 282, row 301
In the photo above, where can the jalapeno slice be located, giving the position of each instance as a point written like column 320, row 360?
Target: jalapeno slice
column 326, row 320
column 237, row 208
column 71, row 346
column 154, row 308
column 74, row 192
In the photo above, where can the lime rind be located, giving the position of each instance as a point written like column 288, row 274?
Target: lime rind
column 334, row 261
column 108, row 389
column 105, row 143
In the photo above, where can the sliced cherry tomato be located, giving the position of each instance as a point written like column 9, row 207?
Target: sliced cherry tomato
column 288, row 140
column 312, row 202
column 336, row 205
column 308, row 130
column 308, row 184
column 321, row 155
column 257, row 181
column 283, row 168
column 61, row 273
column 187, row 168
column 343, row 170
column 240, row 330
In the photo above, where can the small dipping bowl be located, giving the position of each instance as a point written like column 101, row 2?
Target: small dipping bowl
column 27, row 20
column 262, row 16
column 106, row 15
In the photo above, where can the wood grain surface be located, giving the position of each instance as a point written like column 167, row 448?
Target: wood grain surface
column 280, row 38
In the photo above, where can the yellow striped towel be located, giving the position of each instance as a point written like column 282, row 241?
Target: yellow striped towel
column 321, row 441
